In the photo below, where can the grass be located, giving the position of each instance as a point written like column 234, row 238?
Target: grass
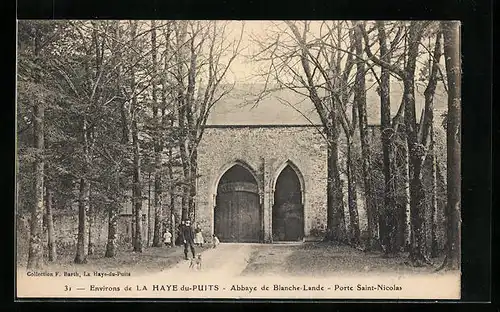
column 320, row 259
column 152, row 259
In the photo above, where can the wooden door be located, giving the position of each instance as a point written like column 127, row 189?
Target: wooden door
column 237, row 217
column 293, row 222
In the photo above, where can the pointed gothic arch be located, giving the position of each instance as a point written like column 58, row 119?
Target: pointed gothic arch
column 288, row 216
column 237, row 204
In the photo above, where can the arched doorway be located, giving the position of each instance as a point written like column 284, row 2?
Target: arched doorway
column 288, row 210
column 237, row 216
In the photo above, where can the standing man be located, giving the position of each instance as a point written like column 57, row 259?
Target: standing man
column 187, row 234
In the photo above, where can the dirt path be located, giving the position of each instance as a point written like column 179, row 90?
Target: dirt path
column 225, row 261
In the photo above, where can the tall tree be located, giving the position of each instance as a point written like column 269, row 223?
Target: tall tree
column 36, row 249
column 388, row 136
column 451, row 34
column 343, row 95
column 36, row 43
column 168, row 120
column 137, row 181
column 360, row 99
column 94, row 71
column 117, row 183
column 157, row 144
column 429, row 93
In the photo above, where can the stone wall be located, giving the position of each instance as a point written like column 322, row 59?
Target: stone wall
column 66, row 231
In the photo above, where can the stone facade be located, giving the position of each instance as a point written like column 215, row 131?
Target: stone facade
column 265, row 151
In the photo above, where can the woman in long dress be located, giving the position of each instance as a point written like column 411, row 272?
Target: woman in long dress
column 198, row 237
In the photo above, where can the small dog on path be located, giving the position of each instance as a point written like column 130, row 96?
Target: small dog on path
column 215, row 241
column 196, row 262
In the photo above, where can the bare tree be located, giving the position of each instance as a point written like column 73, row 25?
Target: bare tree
column 137, row 180
column 117, row 184
column 204, row 57
column 36, row 248
column 360, row 99
column 156, row 143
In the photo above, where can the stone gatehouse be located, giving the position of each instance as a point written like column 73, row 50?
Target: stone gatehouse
column 262, row 183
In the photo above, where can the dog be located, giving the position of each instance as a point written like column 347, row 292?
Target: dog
column 215, row 241
column 196, row 262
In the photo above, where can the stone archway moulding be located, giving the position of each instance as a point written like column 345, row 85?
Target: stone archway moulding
column 297, row 172
column 224, row 169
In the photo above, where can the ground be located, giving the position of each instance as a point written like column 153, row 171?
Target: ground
column 152, row 259
column 295, row 259
column 323, row 259
column 302, row 270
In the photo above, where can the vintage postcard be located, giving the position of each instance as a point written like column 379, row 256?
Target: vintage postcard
column 238, row 159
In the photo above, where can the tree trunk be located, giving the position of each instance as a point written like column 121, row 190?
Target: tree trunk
column 336, row 227
column 451, row 33
column 112, row 231
column 132, row 225
column 157, row 143
column 119, row 184
column 35, row 253
column 137, row 187
column 150, row 224
column 51, row 244
column 434, row 202
column 172, row 195
column 137, row 184
column 360, row 100
column 186, row 180
column 91, row 219
column 113, row 214
column 416, row 152
column 192, row 185
column 352, row 198
column 388, row 136
column 417, row 194
column 405, row 206
column 83, row 199
column 158, row 211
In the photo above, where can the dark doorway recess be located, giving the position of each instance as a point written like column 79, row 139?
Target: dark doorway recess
column 288, row 210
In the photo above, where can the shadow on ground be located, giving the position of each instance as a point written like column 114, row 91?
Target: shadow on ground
column 323, row 259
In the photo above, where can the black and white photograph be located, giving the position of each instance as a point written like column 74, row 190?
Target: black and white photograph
column 316, row 159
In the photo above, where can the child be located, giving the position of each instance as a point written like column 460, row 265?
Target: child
column 215, row 241
column 167, row 238
column 198, row 238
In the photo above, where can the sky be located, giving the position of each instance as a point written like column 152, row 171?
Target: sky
column 243, row 69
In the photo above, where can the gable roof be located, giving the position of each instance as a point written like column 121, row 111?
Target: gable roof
column 287, row 107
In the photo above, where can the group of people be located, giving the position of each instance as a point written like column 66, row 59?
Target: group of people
column 189, row 237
